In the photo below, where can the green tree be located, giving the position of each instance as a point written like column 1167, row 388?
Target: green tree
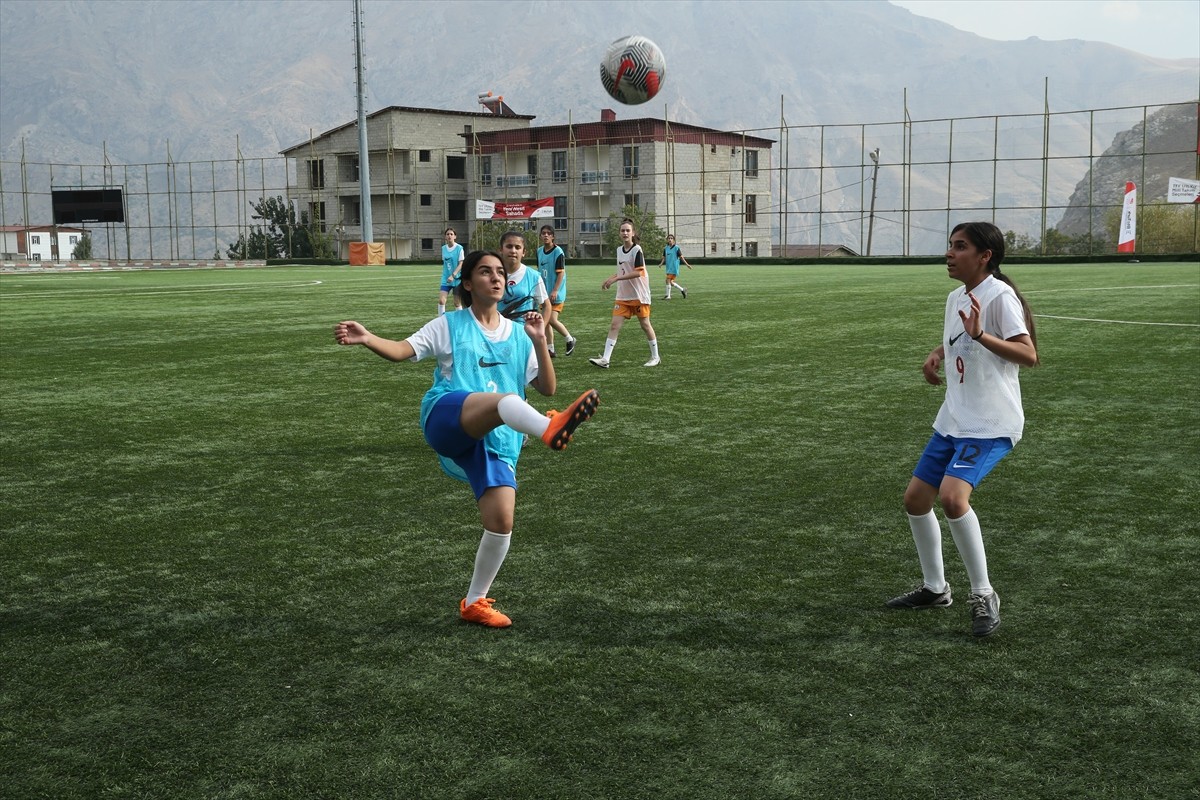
column 487, row 235
column 652, row 238
column 83, row 248
column 1167, row 228
column 1019, row 243
column 280, row 234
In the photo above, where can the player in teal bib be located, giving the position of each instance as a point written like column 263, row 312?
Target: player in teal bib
column 452, row 259
column 475, row 416
column 552, row 265
column 672, row 256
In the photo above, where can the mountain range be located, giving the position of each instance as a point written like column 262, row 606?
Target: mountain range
column 81, row 78
column 147, row 81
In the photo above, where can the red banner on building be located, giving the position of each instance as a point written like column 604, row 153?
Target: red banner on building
column 514, row 209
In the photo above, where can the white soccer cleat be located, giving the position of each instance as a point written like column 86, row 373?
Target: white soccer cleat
column 654, row 362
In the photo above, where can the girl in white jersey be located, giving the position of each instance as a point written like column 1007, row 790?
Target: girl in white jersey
column 475, row 416
column 633, row 296
column 988, row 333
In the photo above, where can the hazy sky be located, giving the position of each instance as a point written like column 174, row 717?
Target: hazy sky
column 1162, row 28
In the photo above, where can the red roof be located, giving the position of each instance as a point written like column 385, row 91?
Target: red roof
column 632, row 131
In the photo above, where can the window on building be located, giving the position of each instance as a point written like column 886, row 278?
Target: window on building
column 714, row 247
column 456, row 167
column 424, row 155
column 560, row 212
column 751, row 163
column 751, row 209
column 558, row 164
column 35, row 257
column 456, row 209
column 427, row 244
column 35, row 240
column 732, row 199
column 634, row 200
column 426, row 199
column 316, row 174
column 713, row 200
column 733, row 247
column 752, row 249
column 72, row 240
column 630, row 158
column 352, row 211
column 485, row 170
column 348, row 169
column 531, row 165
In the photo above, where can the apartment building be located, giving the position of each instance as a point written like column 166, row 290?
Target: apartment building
column 427, row 167
column 711, row 188
column 419, row 175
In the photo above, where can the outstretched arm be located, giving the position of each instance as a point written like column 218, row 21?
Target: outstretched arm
column 546, row 382
column 351, row 332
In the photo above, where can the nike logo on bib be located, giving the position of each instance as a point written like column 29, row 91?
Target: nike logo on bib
column 486, row 364
column 954, row 339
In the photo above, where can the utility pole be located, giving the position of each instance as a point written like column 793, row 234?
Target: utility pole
column 364, row 172
column 874, row 187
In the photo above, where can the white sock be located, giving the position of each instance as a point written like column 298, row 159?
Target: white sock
column 682, row 288
column 493, row 547
column 441, row 309
column 668, row 291
column 968, row 538
column 654, row 349
column 520, row 416
column 609, row 344
column 927, row 535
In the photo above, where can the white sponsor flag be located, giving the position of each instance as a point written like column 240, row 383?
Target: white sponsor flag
column 1125, row 241
column 1181, row 190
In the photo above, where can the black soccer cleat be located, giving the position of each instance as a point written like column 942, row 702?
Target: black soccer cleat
column 922, row 597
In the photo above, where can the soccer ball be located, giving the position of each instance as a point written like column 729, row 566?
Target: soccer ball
column 633, row 70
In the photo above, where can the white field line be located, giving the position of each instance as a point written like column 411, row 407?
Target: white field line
column 1120, row 321
column 1117, row 289
column 140, row 291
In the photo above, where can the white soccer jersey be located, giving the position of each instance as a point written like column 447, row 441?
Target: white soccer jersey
column 636, row 288
column 983, row 393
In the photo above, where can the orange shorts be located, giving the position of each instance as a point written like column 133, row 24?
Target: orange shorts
column 630, row 309
column 670, row 277
column 558, row 308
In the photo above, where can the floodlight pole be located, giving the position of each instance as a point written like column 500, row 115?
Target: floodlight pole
column 364, row 173
column 874, row 186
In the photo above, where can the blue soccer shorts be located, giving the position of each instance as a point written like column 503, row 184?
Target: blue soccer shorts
column 966, row 459
column 482, row 468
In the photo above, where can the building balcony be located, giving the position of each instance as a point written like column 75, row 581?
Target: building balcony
column 515, row 180
column 595, row 176
column 593, row 225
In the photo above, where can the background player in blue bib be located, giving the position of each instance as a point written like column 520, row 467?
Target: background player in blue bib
column 452, row 259
column 475, row 416
column 552, row 266
column 672, row 256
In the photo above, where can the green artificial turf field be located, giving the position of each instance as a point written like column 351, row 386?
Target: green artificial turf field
column 231, row 566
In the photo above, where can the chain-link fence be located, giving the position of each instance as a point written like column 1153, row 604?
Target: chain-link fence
column 1054, row 181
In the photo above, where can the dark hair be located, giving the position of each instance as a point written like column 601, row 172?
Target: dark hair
column 986, row 236
column 511, row 234
column 449, row 230
column 546, row 229
column 469, row 264
column 632, row 224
